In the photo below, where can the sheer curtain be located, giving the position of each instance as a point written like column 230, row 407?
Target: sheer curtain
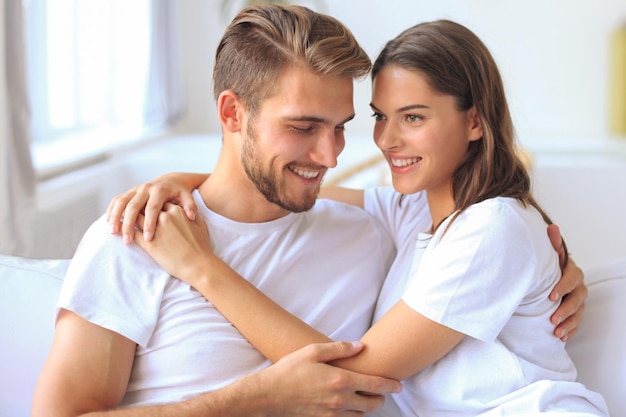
column 21, row 225
column 163, row 100
column 17, row 188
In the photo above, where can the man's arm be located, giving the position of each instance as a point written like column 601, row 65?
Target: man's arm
column 87, row 372
column 87, row 369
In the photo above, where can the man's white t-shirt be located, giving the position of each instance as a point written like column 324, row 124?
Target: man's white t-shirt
column 325, row 266
column 487, row 275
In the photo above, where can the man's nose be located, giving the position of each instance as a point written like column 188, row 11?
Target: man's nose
column 326, row 150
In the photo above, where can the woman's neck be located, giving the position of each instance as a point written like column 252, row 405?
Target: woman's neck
column 441, row 206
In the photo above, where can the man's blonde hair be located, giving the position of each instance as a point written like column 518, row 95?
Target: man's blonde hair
column 263, row 40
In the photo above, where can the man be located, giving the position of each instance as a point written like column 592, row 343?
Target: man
column 132, row 339
column 130, row 335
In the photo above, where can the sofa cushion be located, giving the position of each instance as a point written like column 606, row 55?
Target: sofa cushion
column 28, row 293
column 599, row 347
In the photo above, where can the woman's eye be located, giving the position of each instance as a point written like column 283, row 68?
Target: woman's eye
column 412, row 118
column 378, row 117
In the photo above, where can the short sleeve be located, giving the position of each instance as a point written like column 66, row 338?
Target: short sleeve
column 400, row 215
column 475, row 271
column 113, row 285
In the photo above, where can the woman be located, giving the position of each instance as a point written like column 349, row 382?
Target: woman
column 463, row 317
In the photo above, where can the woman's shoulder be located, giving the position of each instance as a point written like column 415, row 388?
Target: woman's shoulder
column 495, row 217
column 502, row 209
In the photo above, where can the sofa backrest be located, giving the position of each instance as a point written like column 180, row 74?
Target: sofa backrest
column 599, row 347
column 28, row 293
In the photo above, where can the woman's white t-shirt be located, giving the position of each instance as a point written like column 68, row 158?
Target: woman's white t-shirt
column 486, row 274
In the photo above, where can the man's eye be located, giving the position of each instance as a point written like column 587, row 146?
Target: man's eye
column 300, row 129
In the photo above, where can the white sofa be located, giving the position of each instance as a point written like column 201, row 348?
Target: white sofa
column 29, row 288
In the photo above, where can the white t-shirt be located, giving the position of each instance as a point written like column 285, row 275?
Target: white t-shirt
column 487, row 276
column 325, row 266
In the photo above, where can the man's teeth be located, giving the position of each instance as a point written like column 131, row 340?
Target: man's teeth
column 404, row 162
column 305, row 174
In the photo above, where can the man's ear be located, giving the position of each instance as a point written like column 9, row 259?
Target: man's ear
column 475, row 127
column 230, row 111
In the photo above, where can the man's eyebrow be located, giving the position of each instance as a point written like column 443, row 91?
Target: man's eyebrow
column 317, row 119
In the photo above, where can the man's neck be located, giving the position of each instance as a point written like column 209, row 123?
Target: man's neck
column 229, row 193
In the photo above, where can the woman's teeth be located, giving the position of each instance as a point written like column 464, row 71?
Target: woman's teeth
column 404, row 162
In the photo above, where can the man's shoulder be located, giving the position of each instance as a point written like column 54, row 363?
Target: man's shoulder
column 99, row 235
column 99, row 246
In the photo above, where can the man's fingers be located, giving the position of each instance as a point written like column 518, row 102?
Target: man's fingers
column 554, row 234
column 571, row 279
column 569, row 327
column 570, row 305
column 326, row 352
column 367, row 403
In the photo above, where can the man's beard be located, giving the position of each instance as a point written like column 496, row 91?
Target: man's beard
column 267, row 182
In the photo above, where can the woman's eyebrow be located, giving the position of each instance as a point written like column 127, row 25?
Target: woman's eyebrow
column 401, row 109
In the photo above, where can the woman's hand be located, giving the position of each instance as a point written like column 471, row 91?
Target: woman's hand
column 180, row 246
column 570, row 289
column 148, row 199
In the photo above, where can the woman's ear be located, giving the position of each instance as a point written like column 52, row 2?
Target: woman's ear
column 229, row 111
column 475, row 127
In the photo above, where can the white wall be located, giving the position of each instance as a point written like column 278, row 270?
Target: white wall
column 553, row 55
column 554, row 58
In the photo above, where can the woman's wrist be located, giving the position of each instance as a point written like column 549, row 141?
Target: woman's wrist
column 206, row 273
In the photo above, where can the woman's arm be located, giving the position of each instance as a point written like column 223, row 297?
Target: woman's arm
column 176, row 187
column 344, row 195
column 183, row 249
column 399, row 345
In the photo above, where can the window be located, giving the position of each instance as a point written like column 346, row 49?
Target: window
column 89, row 66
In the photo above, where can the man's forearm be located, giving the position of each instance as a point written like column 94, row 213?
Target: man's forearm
column 239, row 399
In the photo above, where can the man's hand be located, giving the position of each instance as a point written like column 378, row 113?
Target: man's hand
column 570, row 289
column 303, row 384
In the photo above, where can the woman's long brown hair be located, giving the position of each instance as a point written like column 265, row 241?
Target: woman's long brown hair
column 457, row 63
